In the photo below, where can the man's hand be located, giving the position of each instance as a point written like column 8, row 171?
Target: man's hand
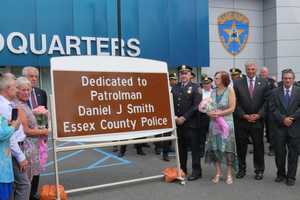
column 288, row 121
column 180, row 120
column 249, row 118
column 255, row 116
column 23, row 165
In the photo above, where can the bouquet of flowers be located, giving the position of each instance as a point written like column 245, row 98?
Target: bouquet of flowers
column 206, row 105
column 219, row 124
column 41, row 114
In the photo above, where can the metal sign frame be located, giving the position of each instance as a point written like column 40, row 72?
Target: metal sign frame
column 57, row 150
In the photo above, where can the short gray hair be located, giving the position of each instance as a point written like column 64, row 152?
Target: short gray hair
column 250, row 63
column 28, row 68
column 287, row 71
column 21, row 81
column 9, row 75
column 5, row 82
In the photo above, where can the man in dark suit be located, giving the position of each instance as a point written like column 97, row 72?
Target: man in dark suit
column 186, row 99
column 38, row 97
column 285, row 107
column 251, row 93
column 264, row 73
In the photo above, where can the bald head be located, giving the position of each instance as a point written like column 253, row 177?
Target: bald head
column 264, row 72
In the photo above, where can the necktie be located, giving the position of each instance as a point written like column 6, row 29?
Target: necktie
column 286, row 98
column 34, row 103
column 251, row 88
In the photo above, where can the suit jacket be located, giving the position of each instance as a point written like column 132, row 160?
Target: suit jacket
column 279, row 111
column 41, row 97
column 247, row 105
column 186, row 100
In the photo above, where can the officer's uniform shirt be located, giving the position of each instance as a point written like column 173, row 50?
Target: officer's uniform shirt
column 186, row 99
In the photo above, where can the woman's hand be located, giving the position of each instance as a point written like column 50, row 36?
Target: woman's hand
column 44, row 132
column 214, row 113
column 15, row 123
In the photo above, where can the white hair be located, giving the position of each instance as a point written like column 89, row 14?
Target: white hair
column 5, row 82
column 29, row 68
column 21, row 81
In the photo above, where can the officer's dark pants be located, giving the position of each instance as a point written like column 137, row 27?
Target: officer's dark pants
column 189, row 137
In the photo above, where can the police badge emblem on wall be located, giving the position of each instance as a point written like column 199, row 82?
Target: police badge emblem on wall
column 233, row 31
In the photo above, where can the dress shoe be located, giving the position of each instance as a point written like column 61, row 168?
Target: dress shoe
column 279, row 179
column 166, row 157
column 259, row 176
column 290, row 182
column 241, row 174
column 194, row 177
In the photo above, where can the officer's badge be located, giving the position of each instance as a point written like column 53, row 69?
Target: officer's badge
column 233, row 31
column 189, row 91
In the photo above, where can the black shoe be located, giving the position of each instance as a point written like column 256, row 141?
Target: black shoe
column 166, row 158
column 240, row 174
column 140, row 152
column 194, row 177
column 279, row 179
column 259, row 176
column 290, row 182
column 34, row 197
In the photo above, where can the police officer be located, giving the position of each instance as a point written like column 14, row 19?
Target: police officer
column 235, row 74
column 186, row 99
column 268, row 118
column 203, row 119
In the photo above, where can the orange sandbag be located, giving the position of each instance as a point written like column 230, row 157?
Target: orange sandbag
column 48, row 192
column 171, row 174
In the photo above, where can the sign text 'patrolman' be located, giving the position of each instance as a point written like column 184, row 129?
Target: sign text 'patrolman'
column 108, row 102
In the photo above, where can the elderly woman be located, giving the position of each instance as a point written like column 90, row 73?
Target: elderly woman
column 6, row 169
column 32, row 144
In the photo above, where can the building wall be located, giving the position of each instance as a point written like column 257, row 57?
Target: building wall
column 219, row 57
column 270, row 36
column 274, row 37
column 288, row 35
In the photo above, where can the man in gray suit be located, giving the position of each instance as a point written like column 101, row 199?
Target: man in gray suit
column 251, row 93
column 285, row 107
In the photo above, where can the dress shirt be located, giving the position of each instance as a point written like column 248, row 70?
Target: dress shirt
column 289, row 89
column 206, row 93
column 33, row 95
column 253, row 81
column 18, row 135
